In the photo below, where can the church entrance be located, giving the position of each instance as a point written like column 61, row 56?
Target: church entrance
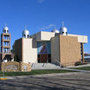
column 44, row 52
column 44, row 58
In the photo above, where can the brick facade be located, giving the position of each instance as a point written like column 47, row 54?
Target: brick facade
column 70, row 50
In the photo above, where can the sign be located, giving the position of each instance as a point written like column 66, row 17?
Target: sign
column 11, row 67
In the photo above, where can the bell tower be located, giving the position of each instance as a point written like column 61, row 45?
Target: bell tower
column 5, row 44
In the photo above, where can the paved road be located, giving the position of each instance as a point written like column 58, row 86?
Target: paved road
column 68, row 81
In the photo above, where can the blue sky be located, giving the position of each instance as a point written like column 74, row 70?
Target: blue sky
column 42, row 14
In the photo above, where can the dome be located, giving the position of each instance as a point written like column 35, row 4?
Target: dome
column 25, row 33
column 63, row 29
column 5, row 29
column 55, row 30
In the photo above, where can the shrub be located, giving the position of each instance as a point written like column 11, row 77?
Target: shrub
column 78, row 63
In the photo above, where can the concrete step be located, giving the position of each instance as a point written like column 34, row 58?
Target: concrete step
column 44, row 66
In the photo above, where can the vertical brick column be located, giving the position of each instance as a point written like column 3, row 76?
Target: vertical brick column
column 82, row 52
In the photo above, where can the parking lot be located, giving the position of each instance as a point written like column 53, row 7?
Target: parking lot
column 66, row 81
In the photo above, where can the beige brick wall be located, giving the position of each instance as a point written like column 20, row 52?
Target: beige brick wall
column 25, row 51
column 46, row 36
column 81, row 38
column 29, row 53
column 25, row 67
column 55, row 51
column 70, row 50
column 43, row 36
column 15, row 66
column 18, row 48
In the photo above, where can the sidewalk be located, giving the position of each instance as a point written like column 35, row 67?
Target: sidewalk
column 76, row 70
column 79, row 66
column 42, row 75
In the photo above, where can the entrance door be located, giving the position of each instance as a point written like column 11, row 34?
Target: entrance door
column 44, row 58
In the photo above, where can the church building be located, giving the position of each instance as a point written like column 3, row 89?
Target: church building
column 57, row 47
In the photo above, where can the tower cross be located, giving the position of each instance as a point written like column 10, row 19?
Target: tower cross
column 62, row 23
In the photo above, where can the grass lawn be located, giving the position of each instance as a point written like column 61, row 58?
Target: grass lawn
column 83, row 68
column 34, row 72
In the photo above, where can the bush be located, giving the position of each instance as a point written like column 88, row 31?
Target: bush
column 78, row 63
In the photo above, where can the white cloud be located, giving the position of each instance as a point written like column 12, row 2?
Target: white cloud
column 40, row 1
column 48, row 27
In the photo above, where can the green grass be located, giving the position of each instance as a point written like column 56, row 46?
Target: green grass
column 34, row 72
column 83, row 68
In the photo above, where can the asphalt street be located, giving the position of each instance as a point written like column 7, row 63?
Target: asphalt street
column 66, row 81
